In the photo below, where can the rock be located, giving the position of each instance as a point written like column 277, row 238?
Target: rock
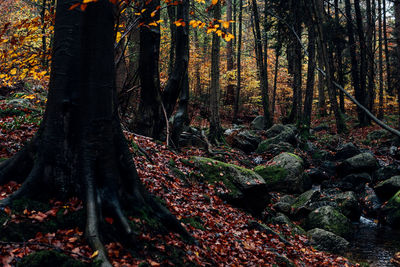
column 330, row 219
column 386, row 189
column 348, row 205
column 257, row 123
column 284, row 173
column 302, row 205
column 321, row 155
column 346, row 151
column 287, row 199
column 354, row 182
column 276, row 149
column 378, row 134
column 364, row 162
column 282, row 207
column 50, row 258
column 247, row 189
column 327, row 241
column 244, row 140
column 282, row 219
column 321, row 127
column 370, row 202
column 391, row 211
column 386, row 172
column 276, row 134
column 326, row 171
column 253, row 225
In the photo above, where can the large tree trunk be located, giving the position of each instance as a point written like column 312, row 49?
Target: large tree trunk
column 387, row 60
column 339, row 57
column 370, row 43
column 80, row 148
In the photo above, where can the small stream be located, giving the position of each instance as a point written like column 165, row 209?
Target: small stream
column 373, row 244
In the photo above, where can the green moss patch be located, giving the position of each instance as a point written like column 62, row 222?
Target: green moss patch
column 271, row 174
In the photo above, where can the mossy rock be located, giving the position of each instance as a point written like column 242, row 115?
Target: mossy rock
column 329, row 219
column 285, row 173
column 272, row 175
column 391, row 211
column 247, row 189
column 50, row 258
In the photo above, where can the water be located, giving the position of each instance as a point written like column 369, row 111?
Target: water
column 374, row 244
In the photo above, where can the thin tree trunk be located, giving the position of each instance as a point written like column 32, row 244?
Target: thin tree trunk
column 322, row 110
column 310, row 77
column 362, row 96
column 44, row 45
column 397, row 39
column 261, row 67
column 318, row 11
column 230, row 88
column 215, row 124
column 387, row 59
column 339, row 58
column 380, row 65
column 238, row 63
column 370, row 54
column 277, row 56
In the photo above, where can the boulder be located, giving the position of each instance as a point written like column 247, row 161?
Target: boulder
column 324, row 172
column 284, row 173
column 321, row 155
column 386, row 189
column 327, row 241
column 364, row 162
column 282, row 219
column 346, row 151
column 330, row 219
column 246, row 188
column 276, row 134
column 386, row 172
column 276, row 149
column 348, row 205
column 378, row 134
column 370, row 202
column 244, row 140
column 302, row 205
column 257, row 123
column 391, row 211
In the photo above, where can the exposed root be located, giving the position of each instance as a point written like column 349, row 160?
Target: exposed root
column 92, row 222
column 28, row 188
column 16, row 168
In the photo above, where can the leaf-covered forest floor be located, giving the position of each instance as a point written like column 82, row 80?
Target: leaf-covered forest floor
column 224, row 233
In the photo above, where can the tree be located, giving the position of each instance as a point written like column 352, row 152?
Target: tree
column 215, row 124
column 238, row 64
column 80, row 148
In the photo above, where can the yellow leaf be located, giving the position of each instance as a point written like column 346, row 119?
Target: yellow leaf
column 94, row 254
column 88, row 1
column 153, row 24
column 153, row 13
column 225, row 24
column 13, row 71
column 214, row 2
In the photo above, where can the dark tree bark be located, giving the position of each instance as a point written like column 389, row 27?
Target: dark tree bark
column 216, row 135
column 80, row 149
column 262, row 68
column 238, row 63
column 310, row 77
column 339, row 57
column 278, row 51
column 397, row 50
column 150, row 114
column 323, row 50
column 387, row 60
column 44, row 42
column 361, row 95
column 380, row 65
column 230, row 88
column 322, row 110
column 370, row 44
column 296, row 111
column 171, row 10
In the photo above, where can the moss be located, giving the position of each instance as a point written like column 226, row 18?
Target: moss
column 3, row 159
column 302, row 199
column 329, row 219
column 50, row 258
column 25, row 229
column 263, row 146
column 271, row 174
column 296, row 156
column 195, row 222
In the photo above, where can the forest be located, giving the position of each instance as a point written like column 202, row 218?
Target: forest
column 199, row 133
